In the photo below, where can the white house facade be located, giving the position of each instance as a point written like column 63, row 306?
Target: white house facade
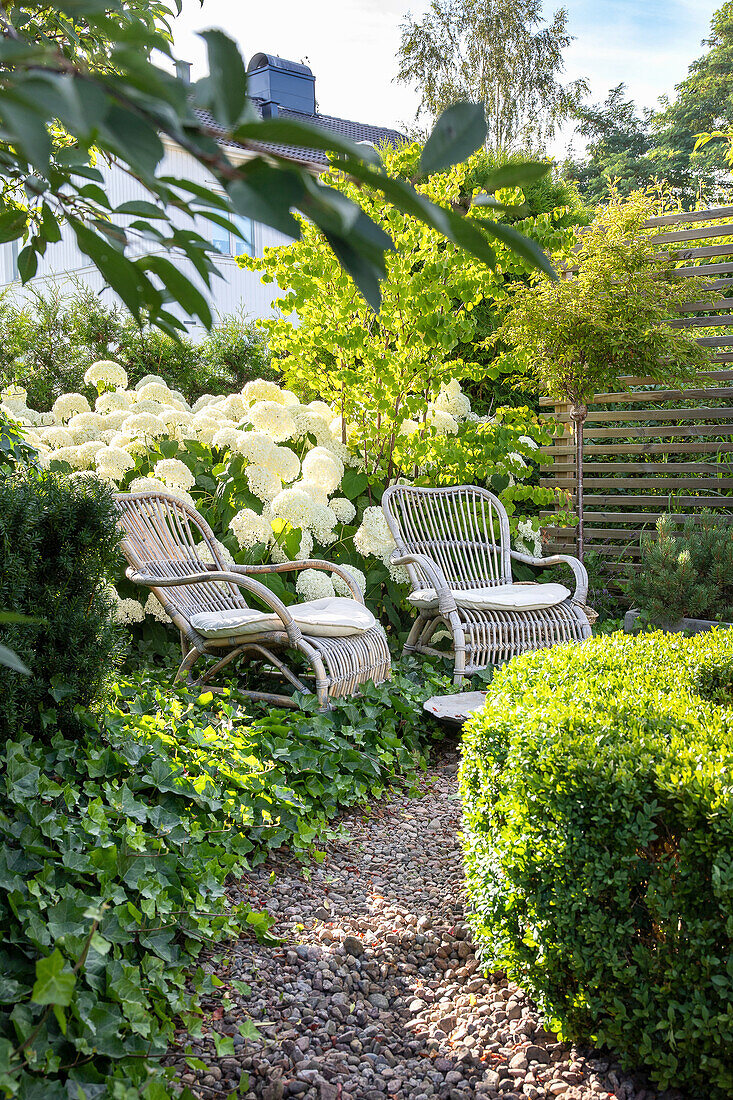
column 278, row 88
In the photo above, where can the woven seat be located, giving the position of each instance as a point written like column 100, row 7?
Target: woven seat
column 171, row 550
column 455, row 543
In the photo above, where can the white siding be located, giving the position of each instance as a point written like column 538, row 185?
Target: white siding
column 64, row 264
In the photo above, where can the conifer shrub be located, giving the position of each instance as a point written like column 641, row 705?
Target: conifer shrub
column 687, row 574
column 58, row 547
column 598, row 845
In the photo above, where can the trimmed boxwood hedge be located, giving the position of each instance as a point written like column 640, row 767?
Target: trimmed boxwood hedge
column 598, row 839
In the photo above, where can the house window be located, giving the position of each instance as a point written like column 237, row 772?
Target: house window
column 240, row 240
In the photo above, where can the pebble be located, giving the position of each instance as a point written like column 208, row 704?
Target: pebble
column 376, row 991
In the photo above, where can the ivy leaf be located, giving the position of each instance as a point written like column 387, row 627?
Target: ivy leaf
column 249, row 1030
column 53, row 985
column 459, row 131
column 224, row 1044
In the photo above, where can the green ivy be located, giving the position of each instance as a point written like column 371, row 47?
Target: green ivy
column 116, row 849
column 598, row 841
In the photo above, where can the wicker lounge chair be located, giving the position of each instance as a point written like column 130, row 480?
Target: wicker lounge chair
column 170, row 549
column 455, row 544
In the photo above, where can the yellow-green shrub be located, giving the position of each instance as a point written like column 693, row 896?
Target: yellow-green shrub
column 598, row 845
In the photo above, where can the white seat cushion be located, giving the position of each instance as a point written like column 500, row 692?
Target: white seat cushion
column 330, row 617
column 501, row 597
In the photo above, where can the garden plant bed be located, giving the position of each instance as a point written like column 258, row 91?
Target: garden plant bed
column 375, row 990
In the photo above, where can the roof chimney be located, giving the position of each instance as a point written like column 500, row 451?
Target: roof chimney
column 281, row 83
column 183, row 71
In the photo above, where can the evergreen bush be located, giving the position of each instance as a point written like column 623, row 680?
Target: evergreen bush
column 598, row 841
column 58, row 546
column 685, row 575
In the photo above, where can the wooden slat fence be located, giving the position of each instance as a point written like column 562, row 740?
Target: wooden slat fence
column 649, row 448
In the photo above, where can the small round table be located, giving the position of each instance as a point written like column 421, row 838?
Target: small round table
column 455, row 709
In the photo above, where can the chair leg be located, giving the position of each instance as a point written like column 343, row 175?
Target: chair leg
column 459, row 648
column 184, row 669
column 414, row 636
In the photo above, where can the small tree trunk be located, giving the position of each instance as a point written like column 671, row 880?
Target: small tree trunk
column 578, row 414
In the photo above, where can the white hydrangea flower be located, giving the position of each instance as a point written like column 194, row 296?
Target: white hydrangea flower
column 144, row 426
column 284, row 462
column 409, row 427
column 343, row 509
column 114, row 462
column 442, row 422
column 305, row 547
column 309, row 422
column 257, row 447
column 204, row 428
column 47, row 419
column 259, row 389
column 149, row 378
column 174, row 473
column 177, row 422
column 320, row 408
column 274, row 419
column 398, row 573
column 181, row 399
column 336, row 430
column 323, row 523
column 105, row 372
column 228, row 438
column 147, row 406
column 34, row 439
column 453, row 401
column 154, row 607
column 129, row 611
column 323, row 467
column 56, row 437
column 235, row 408
column 204, row 554
column 68, row 405
column 154, row 391
column 312, row 584
column 528, row 539
column 340, row 585
column 516, row 459
column 294, row 506
column 374, row 536
column 133, row 444
column 249, row 529
column 70, row 455
column 202, row 401
column 85, row 426
column 15, row 397
column 316, row 492
column 148, row 485
column 528, row 442
column 263, row 483
column 88, row 451
column 289, row 399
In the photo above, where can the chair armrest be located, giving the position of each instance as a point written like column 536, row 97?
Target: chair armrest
column 213, row 574
column 435, row 575
column 579, row 571
column 323, row 566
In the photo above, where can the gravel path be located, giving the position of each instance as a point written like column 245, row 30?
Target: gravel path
column 376, row 991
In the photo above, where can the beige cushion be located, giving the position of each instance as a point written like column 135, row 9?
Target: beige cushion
column 330, row 617
column 501, row 597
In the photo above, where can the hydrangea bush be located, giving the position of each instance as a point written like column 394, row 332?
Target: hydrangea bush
column 272, row 475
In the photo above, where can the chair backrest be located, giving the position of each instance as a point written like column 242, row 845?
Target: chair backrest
column 164, row 537
column 464, row 528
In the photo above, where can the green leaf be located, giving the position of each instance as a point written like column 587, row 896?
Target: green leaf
column 459, row 131
column 286, row 131
column 227, row 85
column 522, row 245
column 27, row 263
column 516, row 174
column 267, row 194
column 179, row 286
column 12, row 224
column 249, row 1030
column 53, row 985
column 224, row 1044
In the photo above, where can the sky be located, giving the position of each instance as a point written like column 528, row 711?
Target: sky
column 351, row 46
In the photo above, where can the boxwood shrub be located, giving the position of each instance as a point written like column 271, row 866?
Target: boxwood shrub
column 598, row 842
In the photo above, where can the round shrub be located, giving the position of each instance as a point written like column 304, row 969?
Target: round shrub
column 598, row 841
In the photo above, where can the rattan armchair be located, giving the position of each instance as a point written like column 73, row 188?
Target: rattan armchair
column 172, row 551
column 455, row 543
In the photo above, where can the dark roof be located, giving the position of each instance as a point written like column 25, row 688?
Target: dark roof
column 356, row 131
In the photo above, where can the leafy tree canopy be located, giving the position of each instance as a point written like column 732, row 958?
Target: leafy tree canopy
column 500, row 53
column 80, row 80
